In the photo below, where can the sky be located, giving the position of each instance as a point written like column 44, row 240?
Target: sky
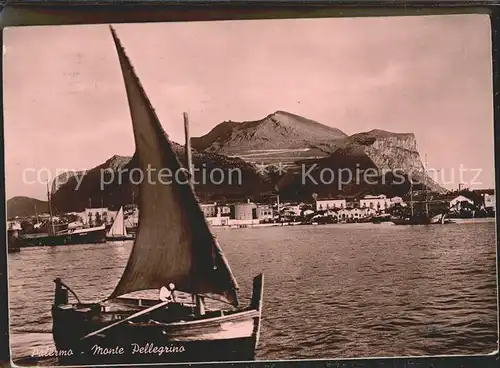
column 65, row 104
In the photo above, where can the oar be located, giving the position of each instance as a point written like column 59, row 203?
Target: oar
column 140, row 313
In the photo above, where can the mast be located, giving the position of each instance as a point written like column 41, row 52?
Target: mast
column 278, row 203
column 51, row 229
column 425, row 187
column 411, row 196
column 200, row 303
column 123, row 222
column 189, row 158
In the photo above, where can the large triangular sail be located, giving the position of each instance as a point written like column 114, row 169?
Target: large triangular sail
column 118, row 227
column 173, row 243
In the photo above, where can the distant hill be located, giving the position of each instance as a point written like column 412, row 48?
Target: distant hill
column 280, row 135
column 25, row 206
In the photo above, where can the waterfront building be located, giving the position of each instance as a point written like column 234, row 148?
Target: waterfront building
column 377, row 202
column 244, row 211
column 218, row 221
column 13, row 225
column 224, row 210
column 330, row 203
column 263, row 212
column 209, row 209
column 291, row 210
column 397, row 200
column 489, row 200
column 354, row 213
column 459, row 201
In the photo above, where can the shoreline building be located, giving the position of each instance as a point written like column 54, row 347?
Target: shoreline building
column 376, row 202
column 459, row 201
column 330, row 204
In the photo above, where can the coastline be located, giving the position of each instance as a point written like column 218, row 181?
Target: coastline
column 364, row 224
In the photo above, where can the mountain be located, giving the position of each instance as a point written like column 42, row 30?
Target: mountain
column 282, row 152
column 374, row 162
column 279, row 136
column 25, row 206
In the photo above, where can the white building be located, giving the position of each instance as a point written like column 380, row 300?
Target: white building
column 291, row 210
column 209, row 209
column 458, row 201
column 379, row 202
column 218, row 220
column 397, row 200
column 329, row 204
column 264, row 212
column 355, row 213
column 489, row 200
column 14, row 225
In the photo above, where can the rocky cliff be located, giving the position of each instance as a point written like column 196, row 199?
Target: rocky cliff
column 374, row 162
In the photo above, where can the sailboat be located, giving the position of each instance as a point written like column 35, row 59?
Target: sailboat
column 118, row 230
column 421, row 218
column 175, row 252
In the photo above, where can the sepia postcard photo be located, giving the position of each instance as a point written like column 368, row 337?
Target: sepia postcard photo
column 250, row 190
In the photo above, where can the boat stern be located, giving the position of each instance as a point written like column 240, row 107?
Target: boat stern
column 256, row 303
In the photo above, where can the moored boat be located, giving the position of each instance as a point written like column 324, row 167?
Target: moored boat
column 90, row 235
column 381, row 218
column 174, row 251
column 420, row 219
column 118, row 231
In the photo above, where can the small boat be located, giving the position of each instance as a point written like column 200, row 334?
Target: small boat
column 89, row 235
column 174, row 251
column 381, row 218
column 118, row 231
column 412, row 220
column 13, row 241
column 440, row 219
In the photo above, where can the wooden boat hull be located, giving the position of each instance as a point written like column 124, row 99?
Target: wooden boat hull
column 120, row 237
column 158, row 343
column 88, row 237
column 167, row 335
column 410, row 222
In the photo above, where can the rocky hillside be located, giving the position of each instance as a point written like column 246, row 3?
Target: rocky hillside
column 311, row 154
column 279, row 136
column 25, row 206
column 374, row 162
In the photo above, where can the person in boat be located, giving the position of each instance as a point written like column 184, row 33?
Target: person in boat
column 167, row 293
